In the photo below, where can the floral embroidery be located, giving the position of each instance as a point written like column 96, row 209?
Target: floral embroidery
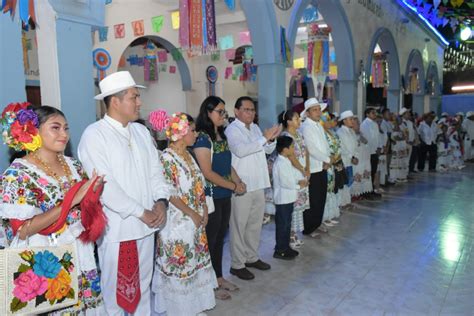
column 43, row 278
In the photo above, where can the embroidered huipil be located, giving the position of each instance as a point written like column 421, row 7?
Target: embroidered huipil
column 133, row 173
column 248, row 147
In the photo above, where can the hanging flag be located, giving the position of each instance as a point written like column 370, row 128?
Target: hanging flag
column 436, row 3
column 216, row 56
column 157, row 23
column 103, row 32
column 226, row 42
column 298, row 63
column 210, row 18
column 138, row 28
column 230, row 54
column 184, row 23
column 310, row 14
column 230, row 4
column 310, row 57
column 285, row 47
column 317, row 57
column 175, row 20
column 172, row 69
column 456, row 3
column 195, row 25
column 119, row 30
column 228, row 72
column 244, row 38
column 162, row 56
column 325, row 57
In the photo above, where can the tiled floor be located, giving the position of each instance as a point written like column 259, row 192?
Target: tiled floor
column 409, row 254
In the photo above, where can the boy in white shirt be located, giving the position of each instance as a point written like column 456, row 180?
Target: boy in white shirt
column 287, row 180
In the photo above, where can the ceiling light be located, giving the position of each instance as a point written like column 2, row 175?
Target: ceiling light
column 465, row 33
column 469, row 87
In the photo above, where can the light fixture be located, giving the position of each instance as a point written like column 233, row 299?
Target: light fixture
column 466, row 33
column 469, row 87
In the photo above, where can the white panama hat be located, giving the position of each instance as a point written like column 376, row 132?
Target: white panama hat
column 116, row 82
column 403, row 111
column 312, row 102
column 346, row 114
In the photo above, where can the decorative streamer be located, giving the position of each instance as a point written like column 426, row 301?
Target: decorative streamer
column 310, row 57
column 325, row 57
column 285, row 47
column 211, row 25
column 317, row 57
column 230, row 4
column 204, row 26
column 184, row 24
column 195, row 26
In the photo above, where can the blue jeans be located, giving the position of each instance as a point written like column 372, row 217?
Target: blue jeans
column 283, row 226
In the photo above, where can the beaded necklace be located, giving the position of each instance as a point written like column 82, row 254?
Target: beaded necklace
column 46, row 168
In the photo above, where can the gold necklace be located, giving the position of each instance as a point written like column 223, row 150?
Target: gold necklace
column 51, row 173
column 129, row 138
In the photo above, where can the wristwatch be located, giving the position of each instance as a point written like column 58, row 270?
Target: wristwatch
column 166, row 202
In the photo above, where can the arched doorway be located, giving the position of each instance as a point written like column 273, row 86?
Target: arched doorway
column 155, row 62
column 433, row 88
column 335, row 17
column 415, row 81
column 386, row 42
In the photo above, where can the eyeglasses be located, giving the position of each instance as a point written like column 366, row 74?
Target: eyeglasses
column 248, row 110
column 221, row 112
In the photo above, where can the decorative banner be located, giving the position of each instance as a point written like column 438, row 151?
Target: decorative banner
column 298, row 63
column 172, row 69
column 456, row 3
column 175, row 20
column 285, row 47
column 228, row 72
column 226, row 42
column 310, row 57
column 103, row 32
column 195, row 26
column 150, row 66
column 102, row 61
column 230, row 4
column 310, row 14
column 244, row 38
column 119, row 30
column 333, row 72
column 157, row 23
column 248, row 53
column 184, row 23
column 138, row 28
column 326, row 57
column 216, row 56
column 26, row 7
column 230, row 54
column 162, row 56
column 176, row 54
column 317, row 58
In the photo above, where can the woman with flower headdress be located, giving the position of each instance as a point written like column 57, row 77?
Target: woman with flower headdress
column 184, row 279
column 34, row 192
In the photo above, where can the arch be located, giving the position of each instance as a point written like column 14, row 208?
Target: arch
column 263, row 27
column 386, row 41
column 335, row 16
column 415, row 59
column 181, row 64
column 432, row 72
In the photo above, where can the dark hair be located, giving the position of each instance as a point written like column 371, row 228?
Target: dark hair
column 119, row 95
column 368, row 110
column 204, row 123
column 45, row 112
column 239, row 101
column 189, row 117
column 286, row 116
column 385, row 111
column 283, row 142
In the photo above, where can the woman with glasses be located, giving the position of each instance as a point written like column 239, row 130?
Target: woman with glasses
column 214, row 158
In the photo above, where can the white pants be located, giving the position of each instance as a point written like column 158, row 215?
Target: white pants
column 108, row 261
column 245, row 227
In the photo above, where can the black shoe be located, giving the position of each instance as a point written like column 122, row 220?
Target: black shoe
column 296, row 253
column 259, row 264
column 376, row 196
column 390, row 183
column 243, row 273
column 284, row 255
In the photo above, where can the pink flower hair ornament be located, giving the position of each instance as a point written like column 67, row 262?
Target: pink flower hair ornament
column 175, row 126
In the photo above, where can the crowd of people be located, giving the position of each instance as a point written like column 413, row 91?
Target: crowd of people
column 169, row 211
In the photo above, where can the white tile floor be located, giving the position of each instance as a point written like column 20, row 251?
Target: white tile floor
column 409, row 254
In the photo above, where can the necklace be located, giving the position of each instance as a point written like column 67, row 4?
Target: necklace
column 53, row 174
column 129, row 138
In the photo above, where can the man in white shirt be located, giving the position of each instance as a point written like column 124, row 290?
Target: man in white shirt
column 388, row 128
column 468, row 126
column 370, row 131
column 409, row 128
column 320, row 160
column 135, row 197
column 248, row 146
column 428, row 132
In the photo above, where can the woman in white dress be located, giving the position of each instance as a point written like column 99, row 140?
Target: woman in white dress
column 184, row 280
column 362, row 177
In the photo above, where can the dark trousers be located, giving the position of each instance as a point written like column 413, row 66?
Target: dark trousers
column 318, row 188
column 283, row 226
column 433, row 156
column 413, row 158
column 374, row 163
column 216, row 228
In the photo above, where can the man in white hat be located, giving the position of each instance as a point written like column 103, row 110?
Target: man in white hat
column 135, row 198
column 348, row 139
column 468, row 126
column 320, row 161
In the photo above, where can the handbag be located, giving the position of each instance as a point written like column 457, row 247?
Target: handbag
column 36, row 280
column 209, row 199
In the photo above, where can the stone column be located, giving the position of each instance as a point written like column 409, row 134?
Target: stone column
column 271, row 93
column 393, row 99
column 348, row 95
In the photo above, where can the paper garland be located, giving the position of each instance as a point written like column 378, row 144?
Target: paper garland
column 103, row 32
column 26, row 8
column 119, row 30
column 138, row 28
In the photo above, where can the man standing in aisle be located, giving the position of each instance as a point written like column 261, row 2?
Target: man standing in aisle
column 409, row 128
column 370, row 131
column 248, row 146
column 428, row 132
column 135, row 198
column 468, row 126
column 320, row 161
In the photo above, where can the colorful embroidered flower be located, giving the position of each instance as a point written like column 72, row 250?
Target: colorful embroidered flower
column 43, row 181
column 95, row 285
column 28, row 285
column 179, row 251
column 46, row 264
column 21, row 200
column 87, row 293
column 26, row 255
column 59, row 286
column 38, row 194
